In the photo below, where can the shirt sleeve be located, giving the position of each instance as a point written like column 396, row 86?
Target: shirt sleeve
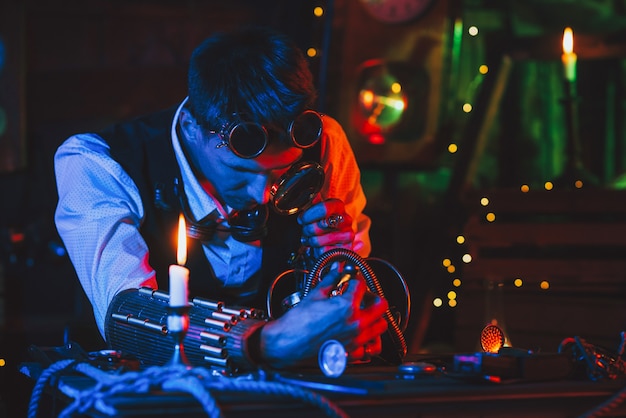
column 344, row 182
column 98, row 217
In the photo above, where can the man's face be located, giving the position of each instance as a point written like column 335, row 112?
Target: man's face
column 238, row 182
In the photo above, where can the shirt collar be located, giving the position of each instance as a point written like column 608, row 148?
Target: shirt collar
column 201, row 203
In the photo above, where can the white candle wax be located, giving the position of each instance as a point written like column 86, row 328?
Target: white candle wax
column 179, row 280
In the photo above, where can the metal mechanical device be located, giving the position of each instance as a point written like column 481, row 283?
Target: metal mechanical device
column 137, row 319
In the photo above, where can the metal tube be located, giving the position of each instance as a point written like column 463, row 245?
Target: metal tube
column 216, row 306
column 218, row 324
column 145, row 323
column 234, row 311
column 214, row 351
column 213, row 338
column 222, row 362
column 225, row 317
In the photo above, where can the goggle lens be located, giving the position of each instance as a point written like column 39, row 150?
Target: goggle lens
column 306, row 129
column 247, row 139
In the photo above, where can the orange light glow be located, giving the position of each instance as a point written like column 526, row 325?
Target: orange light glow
column 491, row 338
column 181, row 253
column 367, row 98
column 569, row 57
column 568, row 41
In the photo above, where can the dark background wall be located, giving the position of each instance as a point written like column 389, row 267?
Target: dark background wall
column 71, row 67
column 74, row 66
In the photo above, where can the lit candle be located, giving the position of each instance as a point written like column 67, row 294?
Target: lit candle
column 569, row 57
column 179, row 275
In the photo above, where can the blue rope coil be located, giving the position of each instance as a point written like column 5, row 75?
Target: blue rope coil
column 198, row 382
column 41, row 383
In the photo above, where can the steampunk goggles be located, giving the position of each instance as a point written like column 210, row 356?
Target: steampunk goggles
column 249, row 139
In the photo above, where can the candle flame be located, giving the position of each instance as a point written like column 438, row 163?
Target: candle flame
column 568, row 40
column 181, row 253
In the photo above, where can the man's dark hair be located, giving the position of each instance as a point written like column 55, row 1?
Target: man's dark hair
column 255, row 71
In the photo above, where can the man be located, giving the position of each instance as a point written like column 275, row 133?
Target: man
column 215, row 158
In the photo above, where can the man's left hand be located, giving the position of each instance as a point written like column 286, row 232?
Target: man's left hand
column 326, row 225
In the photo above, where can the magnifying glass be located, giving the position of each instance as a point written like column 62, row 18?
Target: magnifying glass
column 295, row 190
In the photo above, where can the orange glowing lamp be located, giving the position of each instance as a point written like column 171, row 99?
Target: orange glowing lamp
column 491, row 339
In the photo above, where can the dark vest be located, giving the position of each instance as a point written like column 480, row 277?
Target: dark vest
column 143, row 147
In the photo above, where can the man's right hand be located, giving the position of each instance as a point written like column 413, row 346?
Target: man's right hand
column 296, row 337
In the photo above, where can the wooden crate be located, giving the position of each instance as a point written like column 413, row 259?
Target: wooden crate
column 571, row 241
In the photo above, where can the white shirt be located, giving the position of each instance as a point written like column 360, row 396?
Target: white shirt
column 100, row 211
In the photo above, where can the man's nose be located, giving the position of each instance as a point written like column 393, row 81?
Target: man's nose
column 260, row 189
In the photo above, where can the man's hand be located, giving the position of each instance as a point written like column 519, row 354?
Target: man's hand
column 296, row 337
column 325, row 226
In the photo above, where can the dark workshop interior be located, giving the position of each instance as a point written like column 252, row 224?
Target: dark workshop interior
column 495, row 171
